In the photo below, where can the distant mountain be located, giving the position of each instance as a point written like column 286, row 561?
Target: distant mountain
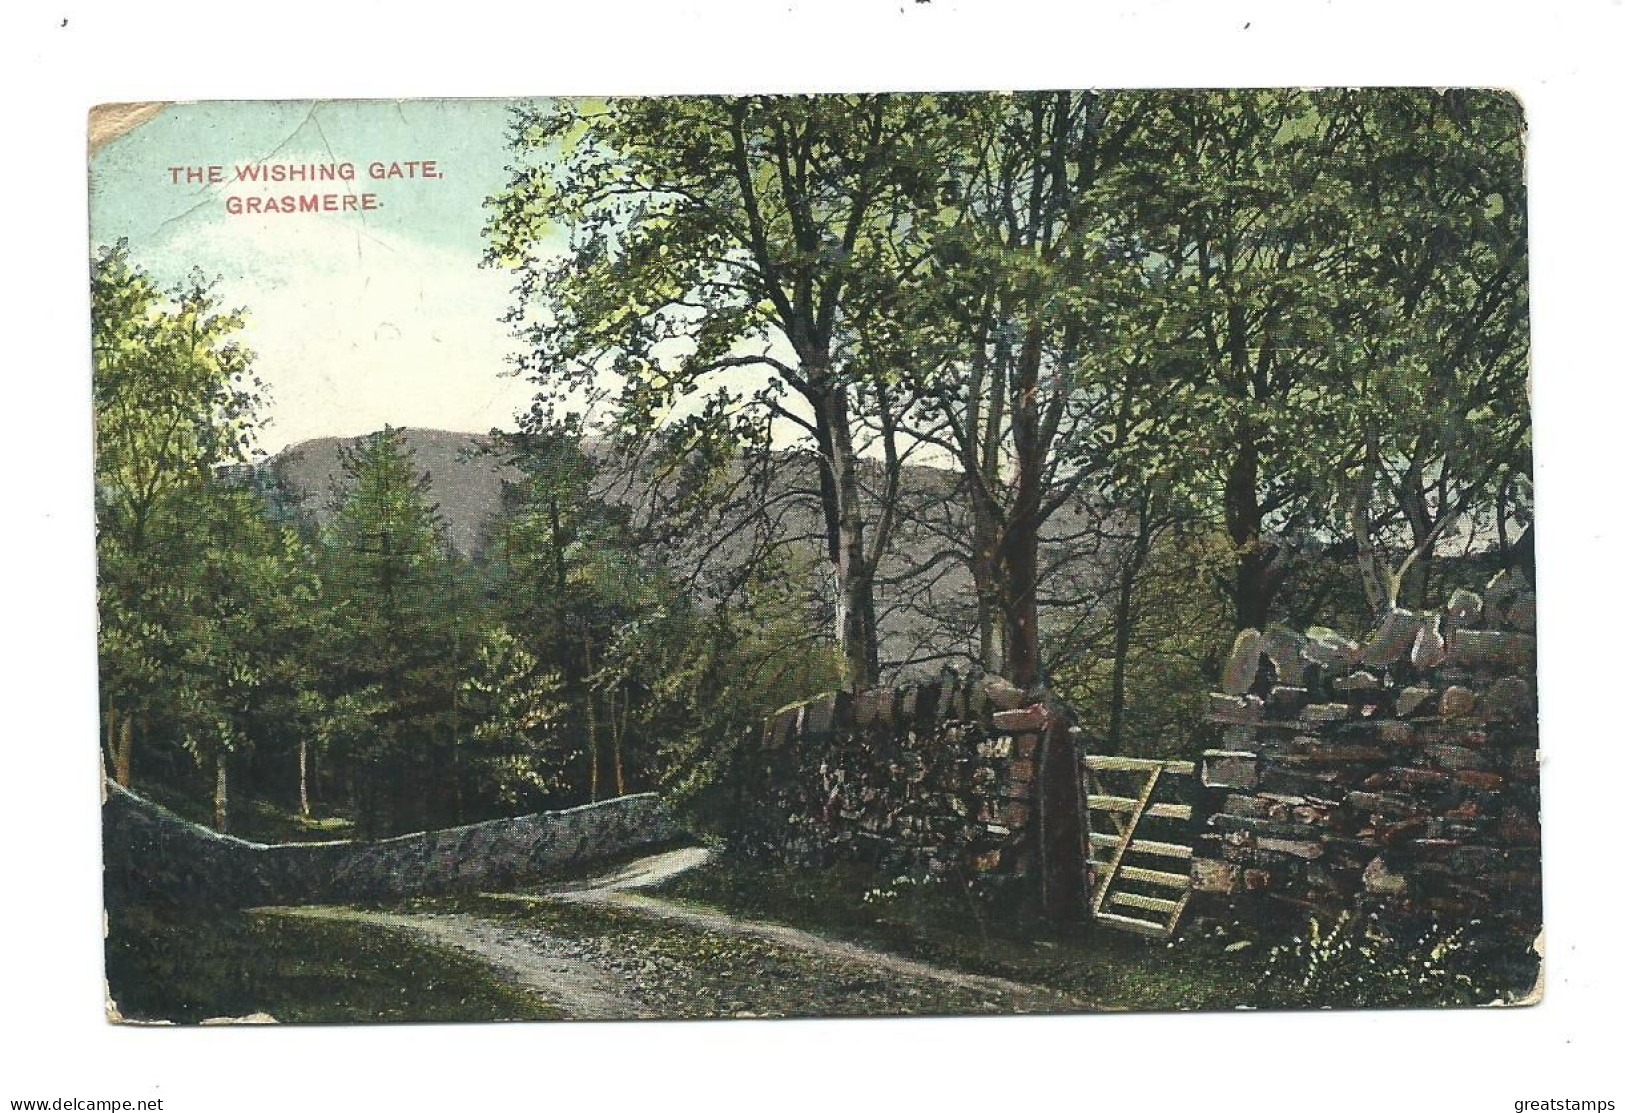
column 926, row 604
column 925, row 600
column 463, row 479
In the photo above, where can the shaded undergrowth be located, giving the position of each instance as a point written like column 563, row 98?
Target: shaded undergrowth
column 188, row 967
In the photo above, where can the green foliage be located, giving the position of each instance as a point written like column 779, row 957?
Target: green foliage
column 699, row 229
column 516, row 713
column 395, row 635
column 173, row 390
column 715, row 677
column 204, row 603
column 1438, row 398
column 655, row 688
column 942, row 923
column 1299, row 317
column 246, row 595
column 1171, row 634
column 706, row 236
column 186, row 969
column 1351, row 962
column 1265, row 349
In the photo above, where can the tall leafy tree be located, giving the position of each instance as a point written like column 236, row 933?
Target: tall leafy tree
column 673, row 243
column 1017, row 339
column 249, row 600
column 174, row 399
column 1439, row 361
column 556, row 534
column 394, row 629
column 514, row 710
column 1241, row 206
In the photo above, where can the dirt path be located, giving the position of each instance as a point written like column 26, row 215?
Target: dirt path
column 604, row 949
column 619, row 890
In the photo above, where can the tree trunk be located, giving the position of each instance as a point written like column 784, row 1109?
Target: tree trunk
column 458, row 803
column 859, row 639
column 982, row 457
column 1253, row 588
column 592, row 717
column 358, row 788
column 392, row 802
column 1375, row 577
column 1020, row 549
column 1522, row 556
column 1418, row 586
column 304, row 778
column 423, row 791
column 1123, row 630
column 985, row 576
column 617, row 726
column 1019, row 545
column 124, row 768
column 989, row 644
column 222, row 813
column 1244, row 520
column 1424, row 525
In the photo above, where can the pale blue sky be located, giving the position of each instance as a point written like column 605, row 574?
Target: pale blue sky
column 356, row 318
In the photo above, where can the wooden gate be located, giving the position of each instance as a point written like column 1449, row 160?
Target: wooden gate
column 1139, row 842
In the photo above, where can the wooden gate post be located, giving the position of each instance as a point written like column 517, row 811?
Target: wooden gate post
column 1063, row 820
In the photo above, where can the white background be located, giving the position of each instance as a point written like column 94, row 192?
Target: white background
column 57, row 59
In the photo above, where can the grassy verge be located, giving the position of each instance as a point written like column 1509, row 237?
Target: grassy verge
column 262, row 821
column 187, row 968
column 251, row 819
column 1106, row 969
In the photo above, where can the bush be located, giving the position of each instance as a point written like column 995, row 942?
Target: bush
column 1353, row 962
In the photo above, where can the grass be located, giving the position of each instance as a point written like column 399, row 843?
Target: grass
column 263, row 821
column 1106, row 969
column 251, row 819
column 193, row 966
column 190, row 967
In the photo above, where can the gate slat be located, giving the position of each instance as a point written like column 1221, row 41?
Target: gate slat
column 1155, row 877
column 1142, row 846
column 1126, row 836
column 1133, row 923
column 1140, row 900
column 1140, row 765
column 1120, row 804
column 1111, row 849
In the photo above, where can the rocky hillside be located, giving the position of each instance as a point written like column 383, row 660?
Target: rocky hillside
column 464, row 481
column 926, row 602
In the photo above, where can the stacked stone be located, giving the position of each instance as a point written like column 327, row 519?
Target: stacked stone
column 152, row 855
column 1399, row 772
column 930, row 778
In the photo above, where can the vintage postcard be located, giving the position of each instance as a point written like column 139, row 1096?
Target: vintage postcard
column 846, row 555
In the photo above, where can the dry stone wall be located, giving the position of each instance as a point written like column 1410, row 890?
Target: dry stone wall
column 1399, row 772
column 940, row 778
column 151, row 854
